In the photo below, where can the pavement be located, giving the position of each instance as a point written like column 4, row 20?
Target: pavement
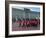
column 15, row 27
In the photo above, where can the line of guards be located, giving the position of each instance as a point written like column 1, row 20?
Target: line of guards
column 28, row 23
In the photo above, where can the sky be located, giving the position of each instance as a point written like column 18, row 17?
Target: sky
column 35, row 9
column 31, row 8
